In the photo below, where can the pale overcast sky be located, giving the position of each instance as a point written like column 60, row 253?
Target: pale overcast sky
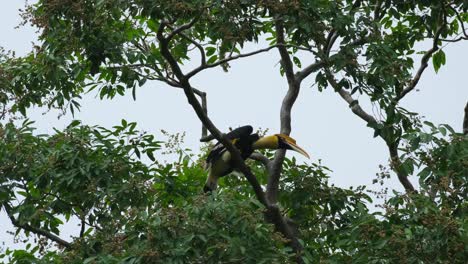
column 322, row 122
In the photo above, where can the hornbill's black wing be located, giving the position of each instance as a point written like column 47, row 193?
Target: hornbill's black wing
column 239, row 132
column 218, row 149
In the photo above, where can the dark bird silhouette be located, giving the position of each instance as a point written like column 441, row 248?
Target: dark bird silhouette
column 219, row 162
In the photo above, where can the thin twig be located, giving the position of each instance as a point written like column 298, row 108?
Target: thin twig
column 182, row 28
column 396, row 164
column 465, row 121
column 198, row 45
column 32, row 229
column 423, row 66
column 462, row 23
column 228, row 59
column 455, row 39
column 83, row 226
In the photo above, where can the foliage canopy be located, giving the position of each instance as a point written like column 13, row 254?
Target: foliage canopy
column 134, row 208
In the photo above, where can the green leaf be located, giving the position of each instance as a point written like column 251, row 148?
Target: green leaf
column 90, row 260
column 443, row 130
column 150, row 155
column 152, row 25
column 74, row 123
column 297, row 62
column 212, row 59
column 381, row 244
column 438, row 59
column 210, row 51
column 408, row 166
column 425, row 173
column 137, row 152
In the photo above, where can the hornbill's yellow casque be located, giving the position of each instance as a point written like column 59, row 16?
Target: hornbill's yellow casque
column 219, row 162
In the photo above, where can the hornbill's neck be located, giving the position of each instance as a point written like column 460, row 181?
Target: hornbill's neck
column 278, row 141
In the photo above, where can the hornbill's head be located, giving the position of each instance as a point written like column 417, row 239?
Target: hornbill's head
column 279, row 141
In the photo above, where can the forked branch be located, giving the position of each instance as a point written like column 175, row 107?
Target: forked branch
column 205, row 66
column 274, row 171
column 357, row 110
column 424, row 64
column 353, row 103
column 272, row 211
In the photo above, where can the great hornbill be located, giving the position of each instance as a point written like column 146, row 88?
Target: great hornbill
column 219, row 162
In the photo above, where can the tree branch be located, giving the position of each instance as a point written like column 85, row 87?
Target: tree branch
column 272, row 211
column 236, row 157
column 377, row 8
column 181, row 28
column 301, row 75
column 83, row 226
column 167, row 79
column 304, row 73
column 202, row 96
column 333, row 35
column 205, row 110
column 464, row 33
column 212, row 65
column 331, row 39
column 423, row 66
column 357, row 110
column 198, row 46
column 455, row 39
column 396, row 164
column 286, row 61
column 465, row 121
column 353, row 103
column 261, row 158
column 275, row 168
column 207, row 138
column 33, row 229
column 462, row 24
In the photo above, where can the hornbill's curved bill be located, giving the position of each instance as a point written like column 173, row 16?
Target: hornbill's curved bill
column 219, row 162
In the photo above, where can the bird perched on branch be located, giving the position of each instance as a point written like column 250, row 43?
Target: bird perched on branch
column 219, row 162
